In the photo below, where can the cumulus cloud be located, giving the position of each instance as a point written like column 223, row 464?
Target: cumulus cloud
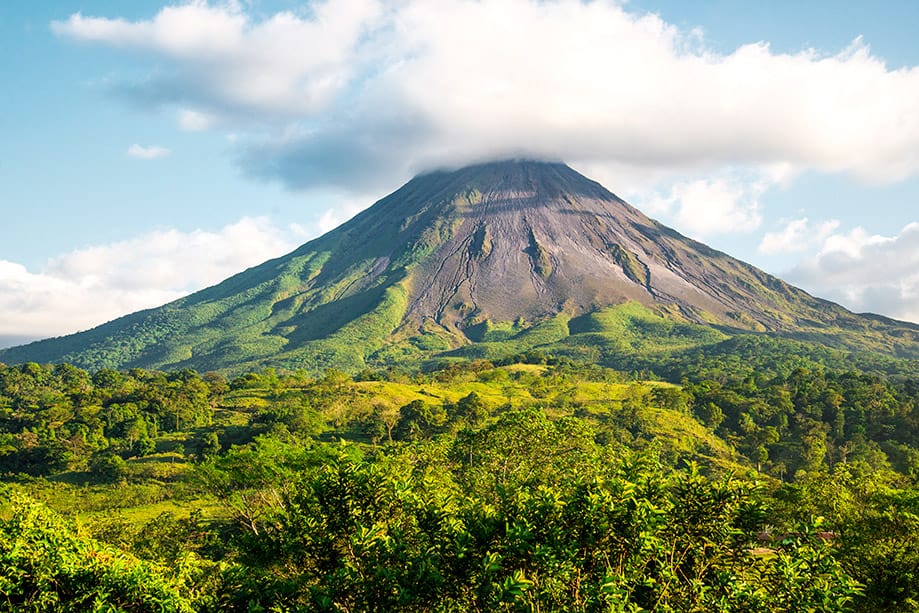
column 867, row 272
column 797, row 235
column 150, row 152
column 397, row 87
column 90, row 286
column 705, row 207
column 221, row 58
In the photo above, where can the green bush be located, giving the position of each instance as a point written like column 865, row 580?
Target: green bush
column 46, row 566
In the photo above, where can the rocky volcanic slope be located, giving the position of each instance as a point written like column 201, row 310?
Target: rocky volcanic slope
column 449, row 258
column 530, row 239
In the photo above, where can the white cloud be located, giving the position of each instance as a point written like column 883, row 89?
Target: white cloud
column 704, row 207
column 283, row 64
column 395, row 87
column 148, row 153
column 798, row 235
column 89, row 286
column 345, row 209
column 867, row 272
column 853, row 244
column 196, row 121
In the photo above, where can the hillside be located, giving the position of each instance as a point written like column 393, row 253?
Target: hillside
column 485, row 260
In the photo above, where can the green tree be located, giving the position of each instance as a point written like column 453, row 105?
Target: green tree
column 208, row 445
column 107, row 466
column 472, row 409
column 144, row 446
column 418, row 420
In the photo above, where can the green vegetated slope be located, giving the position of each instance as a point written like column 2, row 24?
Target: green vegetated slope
column 622, row 330
column 274, row 311
column 633, row 337
column 331, row 303
column 486, row 261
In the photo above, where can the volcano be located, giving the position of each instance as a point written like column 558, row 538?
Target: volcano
column 489, row 258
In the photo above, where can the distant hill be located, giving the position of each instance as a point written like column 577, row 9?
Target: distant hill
column 487, row 260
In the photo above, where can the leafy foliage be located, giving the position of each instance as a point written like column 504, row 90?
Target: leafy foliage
column 46, row 566
column 541, row 484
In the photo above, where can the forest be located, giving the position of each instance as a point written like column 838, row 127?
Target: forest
column 530, row 483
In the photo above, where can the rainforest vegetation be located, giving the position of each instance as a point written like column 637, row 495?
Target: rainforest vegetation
column 531, row 483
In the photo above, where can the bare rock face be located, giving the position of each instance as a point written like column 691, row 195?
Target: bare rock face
column 424, row 268
column 530, row 239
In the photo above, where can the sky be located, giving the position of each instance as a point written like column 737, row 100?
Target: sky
column 150, row 149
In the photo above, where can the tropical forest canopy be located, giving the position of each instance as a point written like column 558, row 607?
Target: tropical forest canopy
column 528, row 483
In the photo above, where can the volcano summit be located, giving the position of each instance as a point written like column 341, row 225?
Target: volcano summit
column 494, row 257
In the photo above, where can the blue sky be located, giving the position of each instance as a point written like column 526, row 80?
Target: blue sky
column 150, row 149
